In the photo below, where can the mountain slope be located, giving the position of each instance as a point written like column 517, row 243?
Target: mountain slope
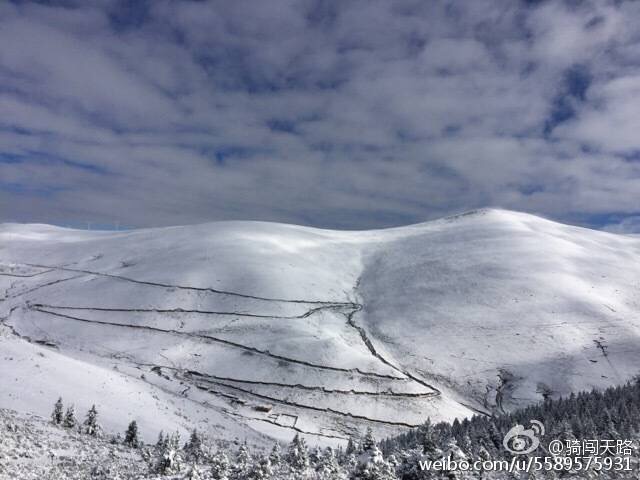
column 271, row 329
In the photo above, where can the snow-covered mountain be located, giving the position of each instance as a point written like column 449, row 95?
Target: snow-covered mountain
column 257, row 330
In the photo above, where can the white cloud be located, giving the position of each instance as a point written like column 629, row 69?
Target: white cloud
column 355, row 113
column 611, row 120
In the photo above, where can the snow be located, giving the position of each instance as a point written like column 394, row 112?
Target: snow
column 336, row 331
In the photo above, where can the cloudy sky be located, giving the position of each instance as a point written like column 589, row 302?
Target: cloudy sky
column 345, row 114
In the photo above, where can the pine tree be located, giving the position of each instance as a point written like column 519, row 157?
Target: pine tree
column 466, row 445
column 609, row 425
column 220, row 466
column 194, row 448
column 169, row 458
column 261, row 470
column 90, row 425
column 275, row 457
column 162, row 441
column 495, row 437
column 298, row 454
column 69, row 420
column 314, row 456
column 483, row 456
column 369, row 442
column 349, row 462
column 328, row 467
column 243, row 463
column 371, row 464
column 194, row 473
column 429, row 444
column 131, row 435
column 58, row 415
column 352, row 446
column 452, row 451
column 174, row 440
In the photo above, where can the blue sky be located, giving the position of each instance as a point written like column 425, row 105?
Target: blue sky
column 339, row 114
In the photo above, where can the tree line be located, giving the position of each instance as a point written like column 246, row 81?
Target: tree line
column 612, row 414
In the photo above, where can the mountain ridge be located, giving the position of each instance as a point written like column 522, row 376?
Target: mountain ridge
column 328, row 331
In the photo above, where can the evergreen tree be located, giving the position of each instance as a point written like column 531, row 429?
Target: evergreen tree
column 194, row 473
column 169, row 458
column 243, row 463
column 261, row 470
column 369, row 442
column 314, row 456
column 350, row 462
column 90, row 425
column 69, row 420
column 483, row 456
column 58, row 415
column 429, row 444
column 220, row 466
column 194, row 448
column 371, row 464
column 298, row 454
column 275, row 457
column 608, row 425
column 352, row 446
column 466, row 445
column 174, row 440
column 328, row 467
column 452, row 451
column 163, row 440
column 131, row 435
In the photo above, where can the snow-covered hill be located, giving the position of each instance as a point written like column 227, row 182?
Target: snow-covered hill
column 257, row 329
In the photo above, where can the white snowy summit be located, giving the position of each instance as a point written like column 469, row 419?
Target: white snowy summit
column 251, row 329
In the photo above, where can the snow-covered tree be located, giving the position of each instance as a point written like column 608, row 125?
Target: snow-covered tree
column 349, row 462
column 275, row 457
column 169, row 459
column 58, row 414
column 369, row 441
column 174, row 440
column 243, row 463
column 194, row 449
column 90, row 425
column 163, row 440
column 194, row 473
column 170, row 462
column 371, row 464
column 70, row 420
column 261, row 470
column 328, row 467
column 453, row 452
column 220, row 466
column 314, row 456
column 352, row 446
column 131, row 435
column 298, row 454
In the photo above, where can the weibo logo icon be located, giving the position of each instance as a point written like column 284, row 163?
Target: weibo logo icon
column 521, row 441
